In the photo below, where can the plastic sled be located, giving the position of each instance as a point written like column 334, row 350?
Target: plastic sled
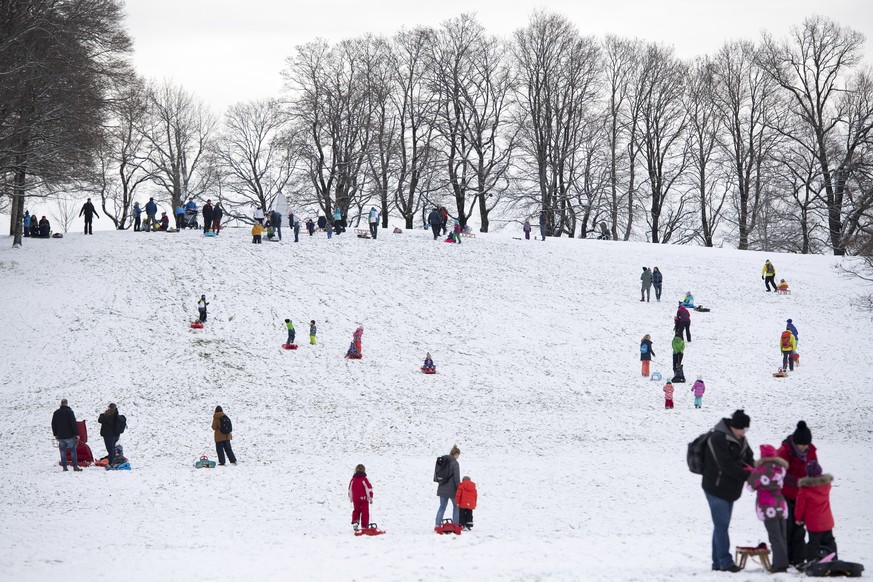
column 196, row 325
column 84, row 457
column 125, row 466
column 57, row 235
column 204, row 463
column 370, row 530
column 102, row 463
column 834, row 568
column 448, row 527
column 209, row 234
column 429, row 370
column 289, row 346
column 656, row 377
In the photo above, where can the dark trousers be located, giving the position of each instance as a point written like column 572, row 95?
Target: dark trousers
column 297, row 233
column 110, row 442
column 778, row 542
column 216, row 225
column 436, row 231
column 796, row 536
column 443, row 225
column 207, row 224
column 279, row 231
column 88, row 225
column 466, row 517
column 256, row 239
column 657, row 291
column 291, row 335
column 677, row 360
column 788, row 361
column 136, row 224
column 821, row 543
column 179, row 221
column 770, row 280
column 222, row 447
column 374, row 229
column 684, row 327
column 202, row 315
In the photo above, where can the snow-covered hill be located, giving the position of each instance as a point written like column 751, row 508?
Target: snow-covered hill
column 580, row 470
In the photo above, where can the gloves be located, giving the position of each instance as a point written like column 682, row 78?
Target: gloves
column 762, row 277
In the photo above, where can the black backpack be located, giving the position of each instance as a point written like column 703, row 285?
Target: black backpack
column 442, row 472
column 697, row 453
column 224, row 425
column 120, row 423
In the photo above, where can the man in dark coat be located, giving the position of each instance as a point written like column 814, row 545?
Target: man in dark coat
column 435, row 222
column 66, row 432
column 45, row 228
column 151, row 209
column 207, row 216
column 726, row 458
column 109, row 430
column 217, row 214
column 89, row 212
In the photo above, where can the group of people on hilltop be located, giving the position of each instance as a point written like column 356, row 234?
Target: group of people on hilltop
column 34, row 228
column 792, row 493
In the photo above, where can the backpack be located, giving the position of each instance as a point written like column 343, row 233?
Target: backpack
column 442, row 471
column 786, row 340
column 697, row 453
column 224, row 425
column 120, row 423
column 644, row 348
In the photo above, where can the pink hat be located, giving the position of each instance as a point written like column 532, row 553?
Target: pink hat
column 768, row 451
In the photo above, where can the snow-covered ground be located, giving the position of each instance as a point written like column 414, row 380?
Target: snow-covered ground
column 581, row 472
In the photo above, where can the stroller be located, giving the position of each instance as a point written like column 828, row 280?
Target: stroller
column 190, row 219
column 83, row 452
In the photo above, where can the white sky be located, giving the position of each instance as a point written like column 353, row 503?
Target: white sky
column 229, row 51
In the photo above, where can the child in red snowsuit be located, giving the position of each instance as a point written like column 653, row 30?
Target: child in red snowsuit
column 814, row 510
column 465, row 498
column 361, row 496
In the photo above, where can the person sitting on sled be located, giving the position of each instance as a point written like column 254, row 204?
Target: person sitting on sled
column 428, row 364
column 783, row 286
column 689, row 300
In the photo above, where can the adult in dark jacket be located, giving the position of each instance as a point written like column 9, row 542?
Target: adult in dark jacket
column 434, row 220
column 66, row 432
column 543, row 225
column 444, row 218
column 683, row 322
column 447, row 491
column 45, row 228
column 137, row 216
column 726, row 456
column 207, row 216
column 657, row 279
column 89, row 212
column 222, row 441
column 646, row 289
column 798, row 450
column 109, row 430
column 217, row 215
column 151, row 212
column 322, row 222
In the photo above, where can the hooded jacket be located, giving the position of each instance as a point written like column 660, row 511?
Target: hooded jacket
column 433, row 218
column 109, row 424
column 678, row 345
column 769, row 270
column 466, row 496
column 668, row 391
column 727, row 460
column 151, row 208
column 766, row 479
column 657, row 277
column 698, row 388
column 219, row 436
column 814, row 503
column 450, row 487
column 646, row 350
column 796, row 465
column 646, row 278
column 360, row 488
column 682, row 315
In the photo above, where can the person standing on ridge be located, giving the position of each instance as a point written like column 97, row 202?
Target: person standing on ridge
column 89, row 212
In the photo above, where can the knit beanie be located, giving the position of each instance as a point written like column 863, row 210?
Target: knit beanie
column 802, row 434
column 740, row 419
column 768, row 451
column 813, row 469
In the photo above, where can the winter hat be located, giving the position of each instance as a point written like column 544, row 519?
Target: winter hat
column 802, row 434
column 813, row 469
column 740, row 419
column 768, row 451
column 789, row 321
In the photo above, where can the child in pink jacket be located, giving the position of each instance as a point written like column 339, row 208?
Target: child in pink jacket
column 668, row 395
column 698, row 389
column 767, row 478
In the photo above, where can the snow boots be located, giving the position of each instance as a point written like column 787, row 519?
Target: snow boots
column 678, row 375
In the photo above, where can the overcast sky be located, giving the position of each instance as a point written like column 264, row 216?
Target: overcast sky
column 229, row 51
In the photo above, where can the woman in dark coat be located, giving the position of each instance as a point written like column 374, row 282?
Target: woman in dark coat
column 447, row 491
column 657, row 279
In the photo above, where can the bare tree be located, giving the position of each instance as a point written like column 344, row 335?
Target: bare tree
column 813, row 66
column 558, row 70
column 661, row 137
column 179, row 128
column 64, row 211
column 254, row 156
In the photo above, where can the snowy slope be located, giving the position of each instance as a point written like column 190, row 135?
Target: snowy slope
column 580, row 470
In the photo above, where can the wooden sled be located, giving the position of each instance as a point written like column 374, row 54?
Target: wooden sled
column 362, row 233
column 760, row 552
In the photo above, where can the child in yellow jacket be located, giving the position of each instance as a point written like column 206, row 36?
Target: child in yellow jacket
column 257, row 232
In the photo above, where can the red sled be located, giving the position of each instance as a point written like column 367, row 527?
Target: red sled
column 429, row 370
column 196, row 325
column 371, row 530
column 84, row 457
column 353, row 356
column 289, row 346
column 448, row 527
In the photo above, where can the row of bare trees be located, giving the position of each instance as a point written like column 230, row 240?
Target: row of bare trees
column 765, row 144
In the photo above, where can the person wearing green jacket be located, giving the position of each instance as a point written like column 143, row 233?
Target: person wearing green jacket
column 291, row 333
column 678, row 351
